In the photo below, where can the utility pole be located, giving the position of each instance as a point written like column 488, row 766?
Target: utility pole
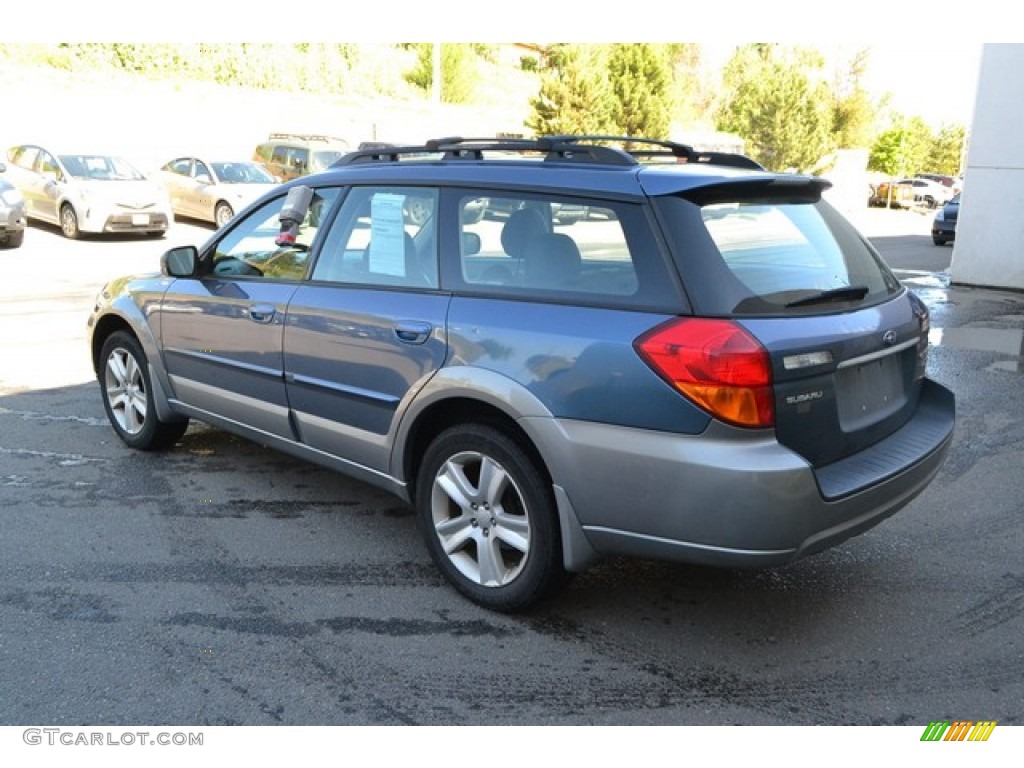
column 435, row 79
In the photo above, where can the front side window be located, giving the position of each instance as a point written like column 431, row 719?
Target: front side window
column 250, row 248
column 202, row 173
column 48, row 166
column 383, row 236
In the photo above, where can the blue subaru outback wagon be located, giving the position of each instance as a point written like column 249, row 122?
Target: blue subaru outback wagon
column 710, row 365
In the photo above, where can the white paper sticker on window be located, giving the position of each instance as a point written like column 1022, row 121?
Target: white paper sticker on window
column 387, row 235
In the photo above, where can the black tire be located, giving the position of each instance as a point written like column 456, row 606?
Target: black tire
column 128, row 396
column 938, row 240
column 69, row 222
column 497, row 541
column 14, row 239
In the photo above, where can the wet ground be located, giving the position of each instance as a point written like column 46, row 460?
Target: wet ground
column 223, row 583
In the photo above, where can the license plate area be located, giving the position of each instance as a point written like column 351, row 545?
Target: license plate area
column 869, row 391
column 140, row 219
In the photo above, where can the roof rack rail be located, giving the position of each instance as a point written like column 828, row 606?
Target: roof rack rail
column 681, row 153
column 556, row 149
column 454, row 148
column 306, row 136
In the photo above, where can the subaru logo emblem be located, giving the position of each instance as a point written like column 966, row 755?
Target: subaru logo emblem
column 889, row 338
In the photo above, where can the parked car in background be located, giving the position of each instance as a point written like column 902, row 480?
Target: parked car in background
column 949, row 182
column 291, row 155
column 927, row 192
column 213, row 190
column 12, row 213
column 892, row 195
column 713, row 367
column 88, row 193
column 944, row 224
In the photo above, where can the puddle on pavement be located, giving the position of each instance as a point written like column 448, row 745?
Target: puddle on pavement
column 1003, row 341
column 917, row 280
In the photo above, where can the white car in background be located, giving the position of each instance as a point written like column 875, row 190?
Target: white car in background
column 928, row 192
column 88, row 193
column 213, row 190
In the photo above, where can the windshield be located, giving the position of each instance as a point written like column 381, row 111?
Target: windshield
column 100, row 167
column 766, row 257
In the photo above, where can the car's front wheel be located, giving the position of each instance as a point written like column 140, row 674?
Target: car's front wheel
column 69, row 222
column 223, row 214
column 128, row 396
column 488, row 517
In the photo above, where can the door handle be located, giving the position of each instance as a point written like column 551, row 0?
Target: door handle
column 262, row 313
column 413, row 332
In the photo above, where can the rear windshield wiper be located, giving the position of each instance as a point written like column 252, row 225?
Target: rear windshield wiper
column 846, row 293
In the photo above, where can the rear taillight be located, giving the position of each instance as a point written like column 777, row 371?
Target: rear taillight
column 715, row 363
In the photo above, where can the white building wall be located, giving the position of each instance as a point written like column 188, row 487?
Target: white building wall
column 989, row 245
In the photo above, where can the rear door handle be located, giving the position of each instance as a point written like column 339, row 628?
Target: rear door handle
column 262, row 313
column 412, row 331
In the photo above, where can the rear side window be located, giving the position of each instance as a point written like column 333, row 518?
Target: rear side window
column 773, row 257
column 538, row 245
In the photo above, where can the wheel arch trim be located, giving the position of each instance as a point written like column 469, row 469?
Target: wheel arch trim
column 490, row 389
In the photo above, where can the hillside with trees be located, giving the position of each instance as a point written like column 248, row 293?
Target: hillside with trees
column 788, row 105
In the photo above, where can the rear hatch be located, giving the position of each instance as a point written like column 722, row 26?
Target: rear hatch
column 847, row 343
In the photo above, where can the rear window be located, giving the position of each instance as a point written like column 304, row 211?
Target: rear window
column 774, row 257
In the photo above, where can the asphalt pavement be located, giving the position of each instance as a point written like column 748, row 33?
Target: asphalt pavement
column 222, row 583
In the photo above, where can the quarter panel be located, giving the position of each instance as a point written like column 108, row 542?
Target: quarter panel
column 578, row 361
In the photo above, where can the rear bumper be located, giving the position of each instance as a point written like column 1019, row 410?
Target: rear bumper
column 734, row 498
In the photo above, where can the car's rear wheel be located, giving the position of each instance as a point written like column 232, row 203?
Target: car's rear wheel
column 222, row 214
column 128, row 396
column 488, row 518
column 69, row 222
column 938, row 240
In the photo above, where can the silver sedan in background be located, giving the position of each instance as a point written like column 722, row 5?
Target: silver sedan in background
column 213, row 190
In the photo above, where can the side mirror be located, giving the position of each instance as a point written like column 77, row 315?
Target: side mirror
column 180, row 261
column 293, row 213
